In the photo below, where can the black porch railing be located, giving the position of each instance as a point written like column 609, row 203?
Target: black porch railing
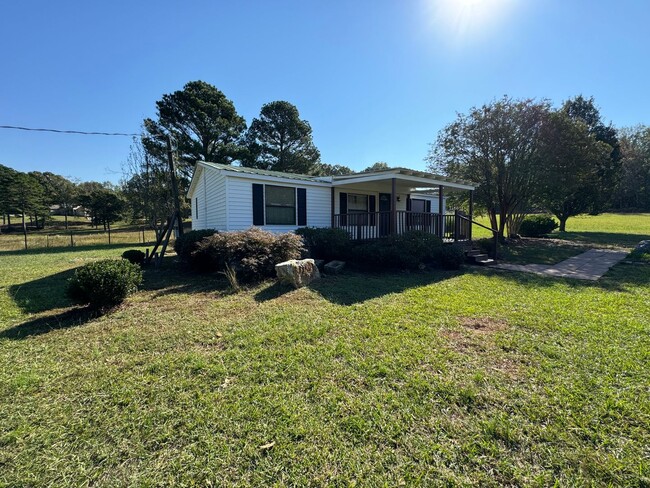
column 373, row 225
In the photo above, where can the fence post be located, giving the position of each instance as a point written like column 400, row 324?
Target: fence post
column 71, row 241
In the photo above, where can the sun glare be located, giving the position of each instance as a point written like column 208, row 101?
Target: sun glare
column 463, row 20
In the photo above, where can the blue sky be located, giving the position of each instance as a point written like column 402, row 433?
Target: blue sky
column 377, row 79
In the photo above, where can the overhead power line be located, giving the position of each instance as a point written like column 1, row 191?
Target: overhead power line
column 59, row 131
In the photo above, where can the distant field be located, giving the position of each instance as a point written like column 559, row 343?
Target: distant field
column 436, row 378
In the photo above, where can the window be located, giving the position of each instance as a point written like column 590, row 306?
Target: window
column 280, row 205
column 418, row 205
column 357, row 203
column 357, row 209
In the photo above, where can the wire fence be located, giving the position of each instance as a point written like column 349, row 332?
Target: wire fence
column 15, row 241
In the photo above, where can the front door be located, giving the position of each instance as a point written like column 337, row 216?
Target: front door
column 384, row 214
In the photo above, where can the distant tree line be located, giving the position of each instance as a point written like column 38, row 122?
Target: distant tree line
column 528, row 156
column 30, row 198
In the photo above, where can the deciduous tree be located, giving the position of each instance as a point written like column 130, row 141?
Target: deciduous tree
column 496, row 146
column 570, row 180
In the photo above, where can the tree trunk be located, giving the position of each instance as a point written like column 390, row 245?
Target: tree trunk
column 65, row 216
column 25, row 229
column 563, row 223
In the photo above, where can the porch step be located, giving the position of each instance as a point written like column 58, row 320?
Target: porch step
column 479, row 257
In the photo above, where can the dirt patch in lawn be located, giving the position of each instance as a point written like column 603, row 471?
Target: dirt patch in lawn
column 483, row 325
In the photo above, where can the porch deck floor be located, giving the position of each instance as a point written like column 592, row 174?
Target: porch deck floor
column 590, row 265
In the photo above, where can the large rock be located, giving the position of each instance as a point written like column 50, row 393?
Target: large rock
column 297, row 272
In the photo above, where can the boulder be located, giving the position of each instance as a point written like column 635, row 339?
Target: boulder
column 297, row 272
column 334, row 267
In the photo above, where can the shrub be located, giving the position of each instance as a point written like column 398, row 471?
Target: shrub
column 134, row 256
column 253, row 253
column 326, row 243
column 186, row 244
column 449, row 256
column 537, row 226
column 404, row 251
column 104, row 283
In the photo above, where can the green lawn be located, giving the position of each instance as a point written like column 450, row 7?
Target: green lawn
column 605, row 230
column 477, row 377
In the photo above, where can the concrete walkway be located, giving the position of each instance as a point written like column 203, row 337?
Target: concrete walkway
column 590, row 265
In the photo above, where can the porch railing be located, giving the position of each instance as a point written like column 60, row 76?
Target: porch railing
column 373, row 225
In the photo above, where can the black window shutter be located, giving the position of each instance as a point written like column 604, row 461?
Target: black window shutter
column 302, row 206
column 343, row 208
column 408, row 203
column 428, row 206
column 258, row 204
column 372, row 208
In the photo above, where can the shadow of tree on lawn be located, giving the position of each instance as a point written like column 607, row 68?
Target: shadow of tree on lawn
column 355, row 286
column 42, row 325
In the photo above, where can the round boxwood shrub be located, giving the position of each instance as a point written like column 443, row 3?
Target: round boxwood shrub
column 134, row 256
column 537, row 226
column 105, row 283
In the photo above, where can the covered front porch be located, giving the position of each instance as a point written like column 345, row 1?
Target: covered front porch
column 394, row 201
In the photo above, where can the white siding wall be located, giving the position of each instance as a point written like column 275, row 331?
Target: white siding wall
column 240, row 204
column 198, row 221
column 211, row 191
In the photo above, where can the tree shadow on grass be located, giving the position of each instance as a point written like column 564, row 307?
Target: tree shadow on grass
column 622, row 278
column 354, row 287
column 42, row 294
column 58, row 250
column 42, row 325
column 606, row 239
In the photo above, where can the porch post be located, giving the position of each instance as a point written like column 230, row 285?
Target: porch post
column 471, row 214
column 393, row 206
column 332, row 205
column 441, row 217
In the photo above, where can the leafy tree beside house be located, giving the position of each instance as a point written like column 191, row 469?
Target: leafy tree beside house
column 498, row 146
column 280, row 140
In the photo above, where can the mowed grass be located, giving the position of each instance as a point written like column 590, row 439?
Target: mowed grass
column 476, row 377
column 604, row 230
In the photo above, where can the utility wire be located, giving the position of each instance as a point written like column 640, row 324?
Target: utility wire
column 70, row 131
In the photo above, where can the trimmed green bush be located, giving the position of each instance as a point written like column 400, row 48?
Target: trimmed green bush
column 105, row 283
column 537, row 226
column 252, row 253
column 186, row 244
column 134, row 256
column 325, row 243
column 449, row 256
column 404, row 251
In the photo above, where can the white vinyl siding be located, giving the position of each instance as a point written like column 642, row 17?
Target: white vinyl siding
column 210, row 194
column 240, row 204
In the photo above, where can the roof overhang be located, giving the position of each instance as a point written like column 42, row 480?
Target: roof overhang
column 417, row 179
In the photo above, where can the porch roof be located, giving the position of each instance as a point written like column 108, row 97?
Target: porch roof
column 404, row 176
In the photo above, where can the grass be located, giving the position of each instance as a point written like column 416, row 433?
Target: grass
column 476, row 377
column 605, row 230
